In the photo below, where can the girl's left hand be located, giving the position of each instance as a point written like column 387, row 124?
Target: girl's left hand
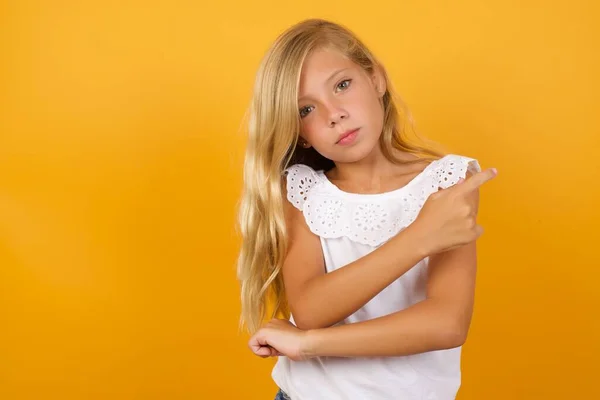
column 280, row 338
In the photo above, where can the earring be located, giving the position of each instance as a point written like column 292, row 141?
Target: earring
column 303, row 143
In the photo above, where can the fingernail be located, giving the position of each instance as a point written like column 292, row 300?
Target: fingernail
column 495, row 171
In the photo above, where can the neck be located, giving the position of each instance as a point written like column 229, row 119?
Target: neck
column 371, row 172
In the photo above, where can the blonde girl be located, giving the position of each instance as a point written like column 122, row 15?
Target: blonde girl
column 358, row 244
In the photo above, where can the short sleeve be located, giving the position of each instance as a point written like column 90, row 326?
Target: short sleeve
column 300, row 179
column 452, row 167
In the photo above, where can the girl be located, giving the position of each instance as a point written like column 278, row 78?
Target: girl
column 363, row 237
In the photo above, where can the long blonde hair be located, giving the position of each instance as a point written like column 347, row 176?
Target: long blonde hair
column 273, row 127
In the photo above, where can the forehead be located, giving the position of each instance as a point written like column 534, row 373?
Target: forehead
column 320, row 64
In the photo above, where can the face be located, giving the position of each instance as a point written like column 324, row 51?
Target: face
column 340, row 107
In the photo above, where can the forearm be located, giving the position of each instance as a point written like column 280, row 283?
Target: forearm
column 426, row 326
column 329, row 298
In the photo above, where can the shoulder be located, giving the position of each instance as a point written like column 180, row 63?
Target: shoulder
column 452, row 167
column 300, row 179
column 298, row 183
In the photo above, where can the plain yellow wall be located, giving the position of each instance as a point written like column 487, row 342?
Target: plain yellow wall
column 120, row 157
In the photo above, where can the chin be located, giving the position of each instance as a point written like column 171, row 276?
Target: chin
column 351, row 155
column 355, row 153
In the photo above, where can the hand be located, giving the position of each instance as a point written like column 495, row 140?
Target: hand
column 448, row 218
column 280, row 338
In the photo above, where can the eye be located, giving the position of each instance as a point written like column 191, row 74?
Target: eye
column 305, row 110
column 345, row 84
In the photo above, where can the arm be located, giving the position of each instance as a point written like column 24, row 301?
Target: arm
column 446, row 222
column 439, row 322
column 347, row 289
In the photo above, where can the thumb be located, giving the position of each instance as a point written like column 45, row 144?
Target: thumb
column 264, row 351
column 461, row 180
column 257, row 341
column 259, row 346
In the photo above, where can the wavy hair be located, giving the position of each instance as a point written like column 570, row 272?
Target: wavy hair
column 273, row 127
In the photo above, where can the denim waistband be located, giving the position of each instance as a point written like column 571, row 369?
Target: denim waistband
column 281, row 395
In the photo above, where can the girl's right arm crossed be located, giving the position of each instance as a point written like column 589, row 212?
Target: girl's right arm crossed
column 317, row 299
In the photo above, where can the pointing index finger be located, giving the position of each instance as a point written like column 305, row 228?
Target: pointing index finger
column 478, row 179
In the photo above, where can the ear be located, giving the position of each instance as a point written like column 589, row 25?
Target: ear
column 378, row 78
column 303, row 143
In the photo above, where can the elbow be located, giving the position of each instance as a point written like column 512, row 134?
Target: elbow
column 303, row 324
column 306, row 320
column 306, row 316
column 453, row 334
column 452, row 339
column 306, row 324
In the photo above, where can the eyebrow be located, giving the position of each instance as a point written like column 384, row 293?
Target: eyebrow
column 339, row 71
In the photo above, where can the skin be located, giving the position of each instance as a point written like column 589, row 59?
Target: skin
column 335, row 96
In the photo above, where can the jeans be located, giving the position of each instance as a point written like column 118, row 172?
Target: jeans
column 281, row 395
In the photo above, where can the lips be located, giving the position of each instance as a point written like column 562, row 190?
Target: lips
column 347, row 136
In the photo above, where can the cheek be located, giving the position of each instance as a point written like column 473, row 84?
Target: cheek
column 309, row 131
column 377, row 112
column 375, row 109
column 374, row 99
column 365, row 104
column 314, row 127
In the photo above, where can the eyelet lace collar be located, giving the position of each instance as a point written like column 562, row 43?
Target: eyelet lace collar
column 369, row 219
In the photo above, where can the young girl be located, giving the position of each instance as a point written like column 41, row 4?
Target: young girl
column 363, row 237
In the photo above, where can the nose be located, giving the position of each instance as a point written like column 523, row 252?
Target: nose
column 335, row 115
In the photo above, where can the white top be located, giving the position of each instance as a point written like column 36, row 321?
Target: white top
column 350, row 226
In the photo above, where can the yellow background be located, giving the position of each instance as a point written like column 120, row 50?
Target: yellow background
column 120, row 161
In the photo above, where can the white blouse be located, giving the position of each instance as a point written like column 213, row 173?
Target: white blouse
column 350, row 226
